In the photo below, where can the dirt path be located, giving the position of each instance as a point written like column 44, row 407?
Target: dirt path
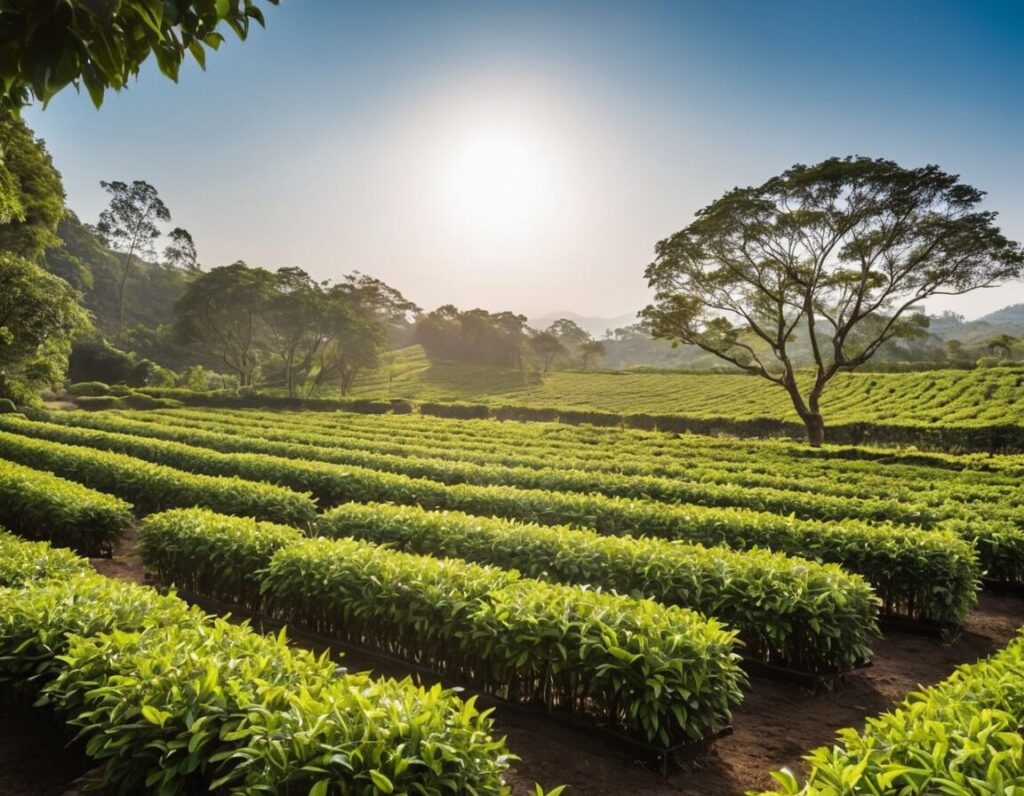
column 776, row 725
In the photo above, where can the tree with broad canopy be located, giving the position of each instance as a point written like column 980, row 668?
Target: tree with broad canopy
column 843, row 253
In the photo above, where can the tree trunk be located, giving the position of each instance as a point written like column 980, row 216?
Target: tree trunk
column 122, row 284
column 815, row 429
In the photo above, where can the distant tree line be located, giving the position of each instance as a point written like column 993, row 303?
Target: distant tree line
column 504, row 339
column 284, row 328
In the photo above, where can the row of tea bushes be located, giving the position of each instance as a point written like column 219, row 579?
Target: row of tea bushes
column 961, row 737
column 982, row 507
column 38, row 504
column 562, row 479
column 925, row 495
column 661, row 675
column 743, row 462
column 789, row 612
column 170, row 701
column 917, row 574
column 153, row 487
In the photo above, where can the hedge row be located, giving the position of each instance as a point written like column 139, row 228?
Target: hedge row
column 562, row 479
column 135, row 400
column 788, row 611
column 659, row 674
column 919, row 574
column 152, row 487
column 989, row 438
column 962, row 736
column 170, row 701
column 39, row 505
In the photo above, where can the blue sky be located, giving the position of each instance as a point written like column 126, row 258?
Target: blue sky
column 527, row 155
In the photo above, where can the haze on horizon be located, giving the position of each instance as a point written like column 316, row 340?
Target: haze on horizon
column 529, row 156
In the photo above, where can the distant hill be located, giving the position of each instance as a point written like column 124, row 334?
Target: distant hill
column 1013, row 314
column 595, row 325
column 94, row 270
column 1008, row 320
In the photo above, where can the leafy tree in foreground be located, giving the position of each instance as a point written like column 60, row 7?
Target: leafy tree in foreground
column 843, row 251
column 39, row 316
column 129, row 226
column 46, row 45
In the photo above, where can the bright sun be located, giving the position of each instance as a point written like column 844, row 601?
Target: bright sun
column 499, row 181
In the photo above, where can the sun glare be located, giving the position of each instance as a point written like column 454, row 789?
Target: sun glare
column 499, row 180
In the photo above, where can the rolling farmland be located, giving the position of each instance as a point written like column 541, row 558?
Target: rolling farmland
column 942, row 397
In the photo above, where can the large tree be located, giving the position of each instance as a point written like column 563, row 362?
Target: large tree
column 296, row 324
column 842, row 253
column 47, row 45
column 39, row 317
column 356, row 337
column 222, row 314
column 129, row 226
column 546, row 346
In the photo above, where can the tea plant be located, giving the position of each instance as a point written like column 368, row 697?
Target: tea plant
column 961, row 737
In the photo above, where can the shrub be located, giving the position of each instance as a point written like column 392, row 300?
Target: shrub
column 211, row 553
column 138, row 400
column 89, row 388
column 99, row 402
column 201, row 706
column 7, row 406
column 455, row 410
column 37, row 620
column 169, row 700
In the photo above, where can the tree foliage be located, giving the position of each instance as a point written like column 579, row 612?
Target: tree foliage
column 39, row 317
column 476, row 336
column 181, row 252
column 46, row 46
column 129, row 226
column 31, row 192
column 546, row 346
column 296, row 332
column 844, row 251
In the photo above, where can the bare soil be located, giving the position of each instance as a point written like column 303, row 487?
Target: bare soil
column 775, row 726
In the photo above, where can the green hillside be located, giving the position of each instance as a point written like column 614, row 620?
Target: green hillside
column 940, row 397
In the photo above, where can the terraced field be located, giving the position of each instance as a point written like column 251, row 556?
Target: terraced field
column 590, row 583
column 937, row 397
